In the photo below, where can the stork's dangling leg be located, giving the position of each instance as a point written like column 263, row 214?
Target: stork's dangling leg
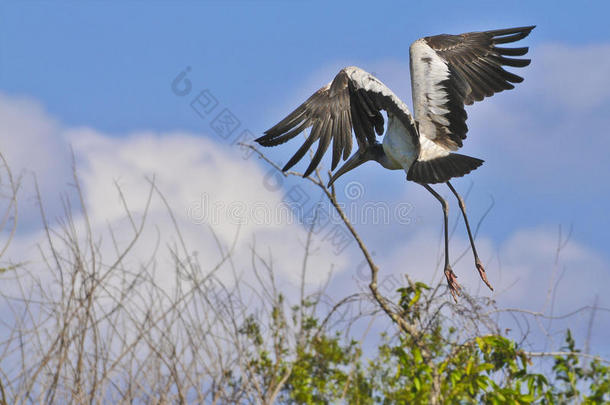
column 477, row 262
column 454, row 287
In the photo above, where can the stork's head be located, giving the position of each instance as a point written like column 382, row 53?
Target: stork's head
column 372, row 152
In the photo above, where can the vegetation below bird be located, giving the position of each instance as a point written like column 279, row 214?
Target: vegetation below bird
column 95, row 328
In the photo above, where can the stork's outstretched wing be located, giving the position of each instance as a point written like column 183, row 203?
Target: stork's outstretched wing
column 448, row 71
column 353, row 100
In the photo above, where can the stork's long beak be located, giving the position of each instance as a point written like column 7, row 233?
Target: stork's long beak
column 359, row 158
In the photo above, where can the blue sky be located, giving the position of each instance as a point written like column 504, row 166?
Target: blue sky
column 109, row 68
column 90, row 62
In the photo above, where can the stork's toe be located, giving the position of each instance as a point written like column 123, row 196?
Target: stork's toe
column 454, row 287
column 482, row 273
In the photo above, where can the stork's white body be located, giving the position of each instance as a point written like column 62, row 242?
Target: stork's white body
column 398, row 146
column 402, row 151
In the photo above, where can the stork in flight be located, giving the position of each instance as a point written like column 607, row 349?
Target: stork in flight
column 447, row 72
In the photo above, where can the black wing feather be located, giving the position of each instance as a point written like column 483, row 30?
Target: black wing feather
column 476, row 71
column 475, row 55
column 333, row 112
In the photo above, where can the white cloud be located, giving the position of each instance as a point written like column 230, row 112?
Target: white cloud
column 28, row 136
column 520, row 268
column 204, row 183
column 526, row 274
column 31, row 142
column 553, row 124
column 534, row 278
column 574, row 77
column 422, row 257
column 190, row 170
column 187, row 167
column 528, row 265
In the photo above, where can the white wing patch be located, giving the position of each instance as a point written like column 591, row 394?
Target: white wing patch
column 430, row 150
column 428, row 70
column 368, row 82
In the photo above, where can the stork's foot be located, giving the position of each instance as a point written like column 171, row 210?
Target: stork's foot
column 482, row 273
column 454, row 287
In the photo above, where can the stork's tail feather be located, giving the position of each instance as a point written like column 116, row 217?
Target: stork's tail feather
column 442, row 169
